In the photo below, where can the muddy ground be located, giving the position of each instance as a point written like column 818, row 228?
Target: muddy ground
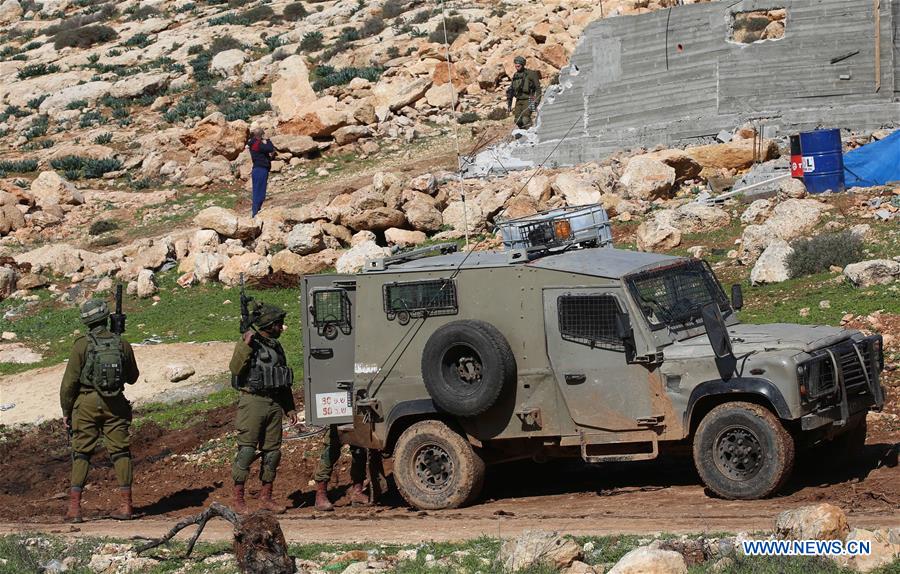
column 179, row 472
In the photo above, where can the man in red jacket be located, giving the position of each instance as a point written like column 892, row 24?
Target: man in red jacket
column 261, row 152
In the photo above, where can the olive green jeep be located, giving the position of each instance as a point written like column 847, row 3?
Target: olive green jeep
column 561, row 346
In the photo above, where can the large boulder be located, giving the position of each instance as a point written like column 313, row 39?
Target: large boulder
column 873, row 272
column 757, row 212
column 207, row 265
column 395, row 93
column 291, row 90
column 204, row 241
column 353, row 260
column 464, row 217
column 288, row 262
column 534, row 547
column 8, row 278
column 227, row 223
column 319, row 118
column 738, row 154
column 884, row 550
column 88, row 92
column 10, row 11
column 694, row 217
column 138, row 85
column 646, row 560
column 214, row 135
column 305, row 238
column 423, row 216
column 655, row 235
column 146, row 284
column 404, row 237
column 50, row 188
column 539, row 188
column 58, row 258
column 377, row 219
column 648, row 178
column 789, row 220
column 228, row 63
column 349, row 134
column 684, row 165
column 248, row 264
column 772, row 267
column 820, row 522
column 575, row 190
column 295, row 145
column 11, row 219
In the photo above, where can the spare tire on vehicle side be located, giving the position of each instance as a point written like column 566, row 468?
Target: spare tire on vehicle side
column 466, row 365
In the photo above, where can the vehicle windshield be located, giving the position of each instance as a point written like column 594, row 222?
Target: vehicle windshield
column 673, row 296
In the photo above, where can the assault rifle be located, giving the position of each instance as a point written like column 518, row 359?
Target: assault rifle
column 117, row 319
column 246, row 318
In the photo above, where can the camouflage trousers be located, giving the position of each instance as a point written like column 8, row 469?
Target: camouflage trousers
column 522, row 113
column 331, row 452
column 259, row 427
column 93, row 417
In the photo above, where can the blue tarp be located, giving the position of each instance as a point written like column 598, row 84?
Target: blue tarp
column 873, row 164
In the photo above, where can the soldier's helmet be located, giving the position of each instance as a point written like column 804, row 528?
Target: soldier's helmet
column 519, row 60
column 94, row 311
column 267, row 315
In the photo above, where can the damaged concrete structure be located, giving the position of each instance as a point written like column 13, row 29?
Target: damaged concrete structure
column 685, row 74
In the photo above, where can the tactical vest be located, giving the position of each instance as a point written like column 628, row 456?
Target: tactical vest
column 103, row 365
column 267, row 371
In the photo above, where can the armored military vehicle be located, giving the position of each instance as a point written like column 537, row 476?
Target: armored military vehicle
column 561, row 346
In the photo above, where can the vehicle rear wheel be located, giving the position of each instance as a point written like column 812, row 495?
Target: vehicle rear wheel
column 435, row 467
column 466, row 365
column 742, row 451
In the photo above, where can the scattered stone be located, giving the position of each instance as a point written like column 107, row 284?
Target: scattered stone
column 872, row 272
column 646, row 560
column 757, row 211
column 820, row 522
column 771, row 267
column 648, row 178
column 19, row 354
column 885, row 550
column 179, row 372
column 8, row 336
column 146, row 284
column 353, row 260
column 403, row 237
column 50, row 188
column 536, row 546
column 655, row 235
column 305, row 238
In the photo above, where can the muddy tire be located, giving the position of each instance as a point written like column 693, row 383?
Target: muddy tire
column 742, row 451
column 465, row 367
column 435, row 467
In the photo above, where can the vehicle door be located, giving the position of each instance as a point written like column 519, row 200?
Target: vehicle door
column 328, row 340
column 600, row 389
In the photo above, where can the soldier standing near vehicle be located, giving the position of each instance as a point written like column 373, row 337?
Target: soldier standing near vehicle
column 331, row 452
column 260, row 372
column 92, row 402
column 526, row 89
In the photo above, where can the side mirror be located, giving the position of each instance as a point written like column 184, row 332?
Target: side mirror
column 623, row 326
column 737, row 297
column 719, row 340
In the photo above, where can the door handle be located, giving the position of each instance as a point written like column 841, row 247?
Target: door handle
column 322, row 353
column 575, row 378
column 345, row 385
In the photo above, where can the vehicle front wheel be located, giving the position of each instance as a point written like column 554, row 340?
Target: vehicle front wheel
column 742, row 451
column 435, row 467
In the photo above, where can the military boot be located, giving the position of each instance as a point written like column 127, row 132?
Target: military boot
column 266, row 502
column 322, row 502
column 239, row 505
column 125, row 511
column 357, row 496
column 73, row 514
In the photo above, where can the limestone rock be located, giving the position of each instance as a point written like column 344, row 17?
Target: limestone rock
column 353, row 260
column 228, row 63
column 221, row 220
column 684, row 165
column 423, row 216
column 8, row 277
column 884, row 550
column 288, row 262
column 10, row 11
column 733, row 155
column 873, row 272
column 57, row 258
column 425, row 183
column 463, row 217
column 646, row 560
column 154, row 256
column 207, row 266
column 349, row 134
column 694, row 217
column 771, row 267
column 204, row 241
column 377, row 219
column 648, row 178
column 11, row 219
column 579, row 568
column 50, row 188
column 250, row 264
column 138, row 85
column 146, row 284
column 89, row 92
column 792, row 188
column 757, row 211
column 538, row 188
column 536, row 546
column 656, row 235
column 441, row 97
column 291, row 90
column 295, row 145
column 179, row 372
column 575, row 190
column 305, row 238
column 790, row 220
column 213, row 135
column 520, row 206
column 398, row 93
column 319, row 118
column 820, row 522
column 403, row 237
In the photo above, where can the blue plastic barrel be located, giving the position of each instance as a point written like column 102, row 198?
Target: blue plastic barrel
column 823, row 161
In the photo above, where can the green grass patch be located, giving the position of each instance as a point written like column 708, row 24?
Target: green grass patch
column 184, row 413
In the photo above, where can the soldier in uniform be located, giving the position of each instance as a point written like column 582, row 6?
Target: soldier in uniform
column 526, row 89
column 260, row 372
column 331, row 452
column 92, row 402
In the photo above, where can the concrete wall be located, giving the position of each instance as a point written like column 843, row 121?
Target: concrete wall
column 620, row 89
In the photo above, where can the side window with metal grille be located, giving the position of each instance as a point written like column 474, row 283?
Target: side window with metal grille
column 331, row 307
column 589, row 320
column 420, row 298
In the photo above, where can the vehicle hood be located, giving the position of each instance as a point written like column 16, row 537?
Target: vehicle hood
column 759, row 338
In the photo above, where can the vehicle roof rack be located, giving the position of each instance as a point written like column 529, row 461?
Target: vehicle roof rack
column 411, row 255
column 526, row 238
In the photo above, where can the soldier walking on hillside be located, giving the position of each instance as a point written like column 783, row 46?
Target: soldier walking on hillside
column 526, row 89
column 331, row 452
column 260, row 372
column 92, row 402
